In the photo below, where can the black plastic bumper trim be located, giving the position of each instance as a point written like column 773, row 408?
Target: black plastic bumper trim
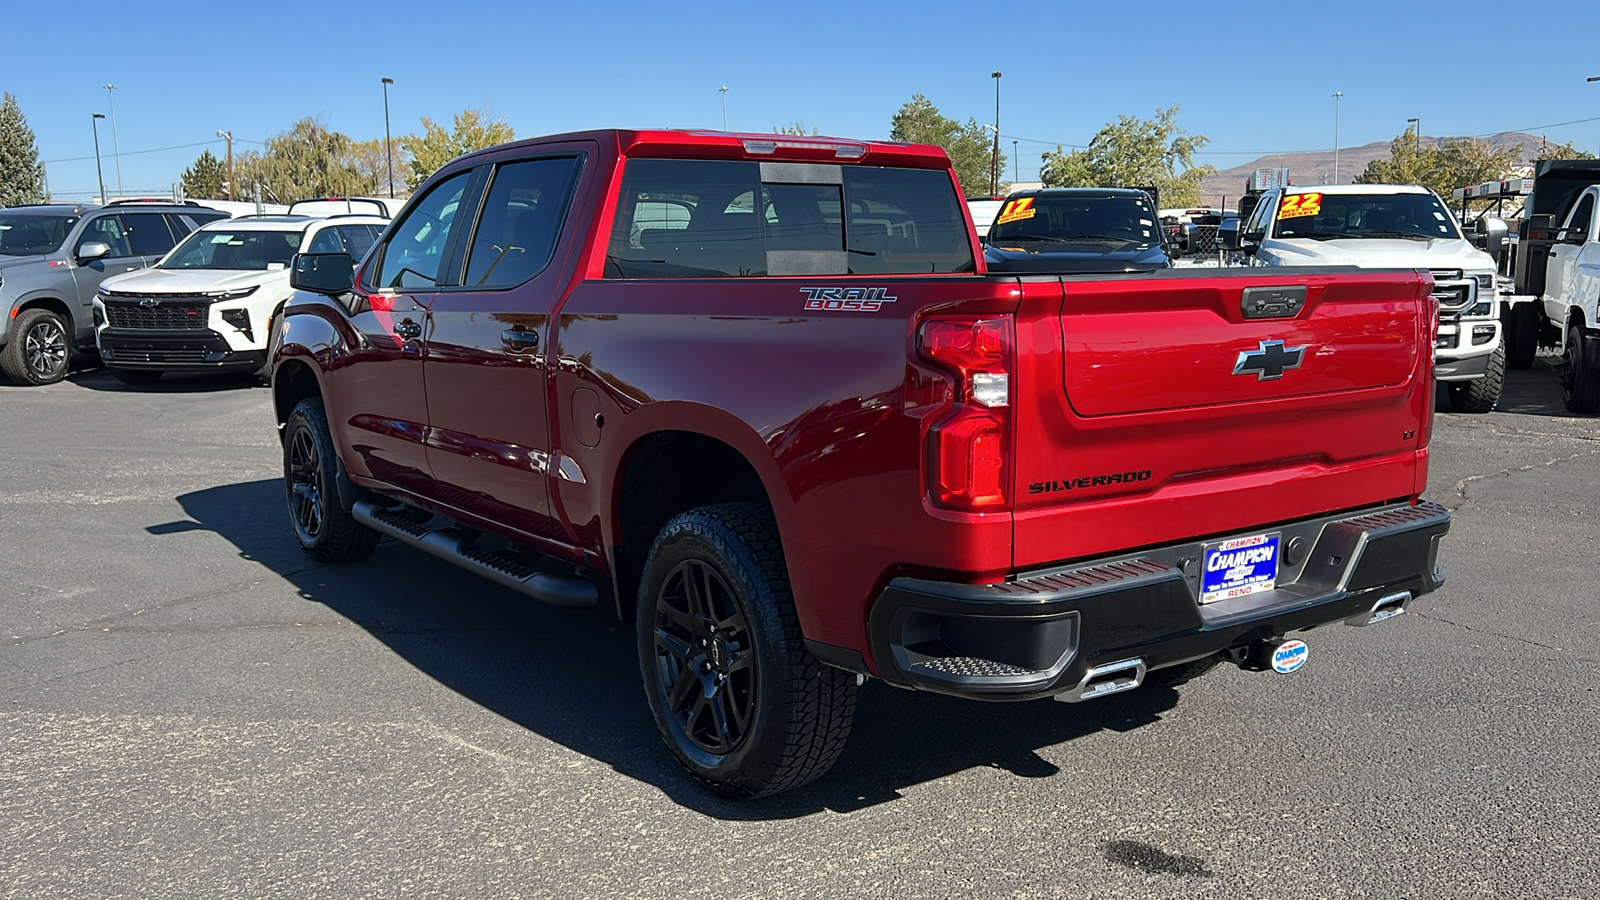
column 996, row 641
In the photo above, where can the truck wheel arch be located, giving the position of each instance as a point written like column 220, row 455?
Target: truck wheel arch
column 295, row 380
column 667, row 469
column 46, row 301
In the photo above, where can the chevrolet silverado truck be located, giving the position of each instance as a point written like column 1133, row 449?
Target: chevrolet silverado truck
column 758, row 396
column 1392, row 226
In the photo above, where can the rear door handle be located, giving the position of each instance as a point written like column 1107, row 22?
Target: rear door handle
column 519, row 340
column 408, row 330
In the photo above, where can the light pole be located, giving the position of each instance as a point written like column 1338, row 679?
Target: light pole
column 1336, row 96
column 1593, row 79
column 116, row 149
column 994, row 160
column 388, row 151
column 98, row 173
column 724, row 92
column 1016, row 163
column 1416, row 127
column 229, row 136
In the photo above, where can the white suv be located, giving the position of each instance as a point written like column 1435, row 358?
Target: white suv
column 1394, row 226
column 209, row 304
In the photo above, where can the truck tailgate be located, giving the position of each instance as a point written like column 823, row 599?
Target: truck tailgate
column 1150, row 409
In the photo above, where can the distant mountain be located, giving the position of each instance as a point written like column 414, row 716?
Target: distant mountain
column 1316, row 166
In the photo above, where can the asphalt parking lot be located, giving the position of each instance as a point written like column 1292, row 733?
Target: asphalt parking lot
column 191, row 708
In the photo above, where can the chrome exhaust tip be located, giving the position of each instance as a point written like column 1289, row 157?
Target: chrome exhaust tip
column 1386, row 608
column 1111, row 678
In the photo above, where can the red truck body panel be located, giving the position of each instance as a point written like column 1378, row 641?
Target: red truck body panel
column 832, row 409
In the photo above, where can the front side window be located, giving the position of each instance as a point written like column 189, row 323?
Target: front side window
column 236, row 250
column 521, row 221
column 1580, row 219
column 358, row 239
column 327, row 241
column 414, row 251
column 27, row 235
column 1349, row 216
column 107, row 230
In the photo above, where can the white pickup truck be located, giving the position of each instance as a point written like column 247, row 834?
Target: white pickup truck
column 1557, row 264
column 1391, row 226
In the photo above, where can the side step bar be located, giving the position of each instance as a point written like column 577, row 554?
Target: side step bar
column 455, row 545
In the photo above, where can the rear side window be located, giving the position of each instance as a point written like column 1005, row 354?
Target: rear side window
column 696, row 218
column 148, row 234
column 521, row 221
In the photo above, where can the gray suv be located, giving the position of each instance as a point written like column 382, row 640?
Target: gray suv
column 52, row 260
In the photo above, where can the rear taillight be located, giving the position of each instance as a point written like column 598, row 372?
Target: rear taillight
column 969, row 447
column 1425, row 429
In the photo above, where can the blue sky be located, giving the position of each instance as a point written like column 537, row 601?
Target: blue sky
column 1254, row 78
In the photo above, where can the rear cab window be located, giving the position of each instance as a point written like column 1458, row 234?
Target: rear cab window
column 702, row 218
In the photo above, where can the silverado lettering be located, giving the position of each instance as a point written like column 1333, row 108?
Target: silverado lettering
column 704, row 445
column 1084, row 481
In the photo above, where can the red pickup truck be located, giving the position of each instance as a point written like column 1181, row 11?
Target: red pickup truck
column 757, row 394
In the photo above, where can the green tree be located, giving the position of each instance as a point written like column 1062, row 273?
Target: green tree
column 1548, row 150
column 206, row 178
column 1134, row 152
column 1453, row 163
column 308, row 160
column 21, row 175
column 473, row 130
column 969, row 146
column 368, row 159
column 796, row 128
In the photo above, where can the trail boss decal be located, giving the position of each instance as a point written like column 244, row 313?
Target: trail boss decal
column 847, row 299
column 1088, row 481
column 1239, row 568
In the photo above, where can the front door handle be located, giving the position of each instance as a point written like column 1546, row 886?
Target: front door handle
column 517, row 339
column 408, row 330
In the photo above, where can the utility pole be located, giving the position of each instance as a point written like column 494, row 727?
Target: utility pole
column 1336, row 96
column 388, row 151
column 116, row 149
column 994, row 159
column 97, row 171
column 229, row 136
column 724, row 90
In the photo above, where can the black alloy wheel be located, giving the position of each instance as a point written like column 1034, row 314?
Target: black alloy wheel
column 1580, row 381
column 304, row 466
column 325, row 529
column 704, row 658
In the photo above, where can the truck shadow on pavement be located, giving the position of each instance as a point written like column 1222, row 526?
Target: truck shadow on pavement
column 572, row 676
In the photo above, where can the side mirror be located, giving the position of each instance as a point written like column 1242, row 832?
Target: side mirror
column 1228, row 234
column 1489, row 233
column 90, row 250
column 1541, row 222
column 331, row 274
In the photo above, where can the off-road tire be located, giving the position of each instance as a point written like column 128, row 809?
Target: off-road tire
column 1580, row 377
column 798, row 711
column 39, row 350
column 1480, row 395
column 1522, row 334
column 325, row 529
column 137, row 376
column 1183, row 673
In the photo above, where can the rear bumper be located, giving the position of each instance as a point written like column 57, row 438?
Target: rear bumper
column 200, row 350
column 1041, row 633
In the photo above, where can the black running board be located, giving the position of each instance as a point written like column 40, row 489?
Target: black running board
column 454, row 544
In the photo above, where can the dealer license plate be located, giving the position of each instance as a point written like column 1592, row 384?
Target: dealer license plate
column 1239, row 567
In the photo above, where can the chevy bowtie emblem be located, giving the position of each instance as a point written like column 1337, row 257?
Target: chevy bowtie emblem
column 1270, row 361
column 148, row 302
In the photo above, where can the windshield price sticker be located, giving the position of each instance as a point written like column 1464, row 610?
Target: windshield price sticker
column 1016, row 211
column 1239, row 568
column 1296, row 205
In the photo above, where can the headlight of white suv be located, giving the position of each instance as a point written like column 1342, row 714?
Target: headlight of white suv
column 233, row 294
